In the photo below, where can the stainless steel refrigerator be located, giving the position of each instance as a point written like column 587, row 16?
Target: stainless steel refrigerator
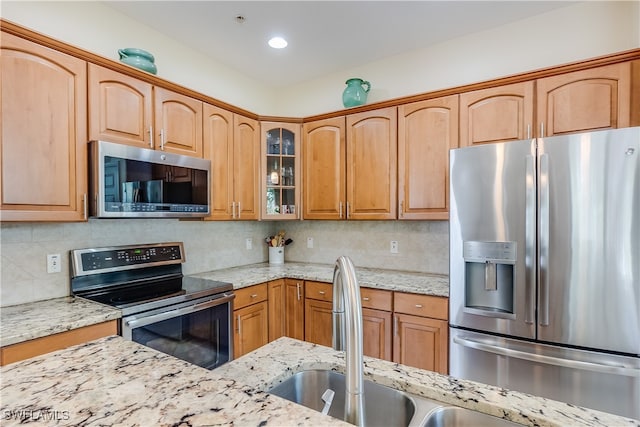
column 545, row 267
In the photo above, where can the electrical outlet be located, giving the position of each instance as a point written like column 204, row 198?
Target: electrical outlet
column 393, row 247
column 310, row 242
column 248, row 242
column 53, row 263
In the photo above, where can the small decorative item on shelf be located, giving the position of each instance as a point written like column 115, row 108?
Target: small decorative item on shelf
column 355, row 94
column 276, row 247
column 138, row 58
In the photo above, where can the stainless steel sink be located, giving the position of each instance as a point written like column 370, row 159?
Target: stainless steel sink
column 454, row 416
column 383, row 406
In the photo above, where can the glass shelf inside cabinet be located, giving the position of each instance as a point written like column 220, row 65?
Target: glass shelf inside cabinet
column 280, row 172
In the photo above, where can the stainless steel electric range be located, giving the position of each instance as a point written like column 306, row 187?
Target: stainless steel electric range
column 187, row 317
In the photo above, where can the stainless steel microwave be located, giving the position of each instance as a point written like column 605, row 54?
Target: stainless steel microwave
column 133, row 182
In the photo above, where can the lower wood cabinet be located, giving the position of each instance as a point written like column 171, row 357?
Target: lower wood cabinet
column 376, row 323
column 250, row 319
column 286, row 309
column 318, row 313
column 421, row 331
column 25, row 350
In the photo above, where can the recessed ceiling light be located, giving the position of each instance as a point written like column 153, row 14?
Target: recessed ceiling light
column 277, row 42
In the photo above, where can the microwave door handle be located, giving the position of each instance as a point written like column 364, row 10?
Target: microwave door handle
column 143, row 321
column 549, row 360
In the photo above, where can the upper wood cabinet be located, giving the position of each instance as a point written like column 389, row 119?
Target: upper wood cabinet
column 350, row 168
column 129, row 111
column 587, row 100
column 372, row 164
column 281, row 183
column 324, row 175
column 120, row 108
column 231, row 142
column 499, row 114
column 43, row 142
column 427, row 130
column 178, row 123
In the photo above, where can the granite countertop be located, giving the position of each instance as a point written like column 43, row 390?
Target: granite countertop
column 112, row 381
column 25, row 322
column 393, row 280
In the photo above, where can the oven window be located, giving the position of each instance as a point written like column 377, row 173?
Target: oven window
column 201, row 338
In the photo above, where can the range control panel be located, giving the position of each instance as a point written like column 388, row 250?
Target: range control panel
column 117, row 258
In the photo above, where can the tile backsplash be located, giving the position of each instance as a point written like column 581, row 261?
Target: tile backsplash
column 422, row 246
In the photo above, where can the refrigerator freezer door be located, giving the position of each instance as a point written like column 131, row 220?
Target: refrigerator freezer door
column 589, row 240
column 492, row 238
column 594, row 380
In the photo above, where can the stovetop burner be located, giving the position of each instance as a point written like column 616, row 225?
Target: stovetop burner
column 138, row 278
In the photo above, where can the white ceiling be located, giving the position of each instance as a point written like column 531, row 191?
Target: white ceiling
column 324, row 36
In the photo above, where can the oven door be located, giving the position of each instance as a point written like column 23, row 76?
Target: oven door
column 196, row 331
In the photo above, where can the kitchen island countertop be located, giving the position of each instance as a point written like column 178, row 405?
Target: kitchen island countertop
column 112, row 381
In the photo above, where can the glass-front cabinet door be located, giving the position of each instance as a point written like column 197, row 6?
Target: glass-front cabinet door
column 281, row 170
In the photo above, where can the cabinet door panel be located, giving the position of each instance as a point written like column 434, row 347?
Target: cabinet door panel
column 294, row 308
column 421, row 342
column 318, row 318
column 178, row 123
column 43, row 133
column 250, row 326
column 372, row 164
column 499, row 114
column 376, row 329
column 246, row 167
column 324, row 169
column 218, row 148
column 120, row 108
column 427, row 130
column 587, row 100
column 277, row 309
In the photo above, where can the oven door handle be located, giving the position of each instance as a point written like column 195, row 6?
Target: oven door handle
column 143, row 321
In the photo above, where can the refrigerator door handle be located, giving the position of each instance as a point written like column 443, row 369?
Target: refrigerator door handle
column 544, row 241
column 530, row 241
column 549, row 360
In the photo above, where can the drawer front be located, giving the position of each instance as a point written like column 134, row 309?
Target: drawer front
column 421, row 305
column 318, row 290
column 376, row 299
column 250, row 295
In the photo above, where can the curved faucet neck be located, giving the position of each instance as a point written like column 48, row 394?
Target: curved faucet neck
column 347, row 335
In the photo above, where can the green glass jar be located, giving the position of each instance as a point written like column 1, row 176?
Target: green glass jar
column 138, row 58
column 355, row 94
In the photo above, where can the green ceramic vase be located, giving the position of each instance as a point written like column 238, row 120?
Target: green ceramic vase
column 355, row 94
column 138, row 58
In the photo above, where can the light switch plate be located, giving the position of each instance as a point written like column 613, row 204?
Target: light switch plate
column 393, row 247
column 310, row 242
column 248, row 242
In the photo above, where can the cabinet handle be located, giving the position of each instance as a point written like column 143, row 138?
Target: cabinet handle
column 402, row 209
column 348, row 210
column 239, row 325
column 395, row 326
column 151, row 136
column 162, row 139
column 233, row 210
column 365, row 298
column 541, row 129
column 84, row 206
column 418, row 305
column 340, row 211
column 254, row 295
column 239, row 211
column 298, row 289
column 321, row 292
column 528, row 132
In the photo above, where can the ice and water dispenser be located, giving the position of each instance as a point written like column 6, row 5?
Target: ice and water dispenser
column 490, row 278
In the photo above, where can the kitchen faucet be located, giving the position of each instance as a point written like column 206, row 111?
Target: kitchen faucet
column 347, row 335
